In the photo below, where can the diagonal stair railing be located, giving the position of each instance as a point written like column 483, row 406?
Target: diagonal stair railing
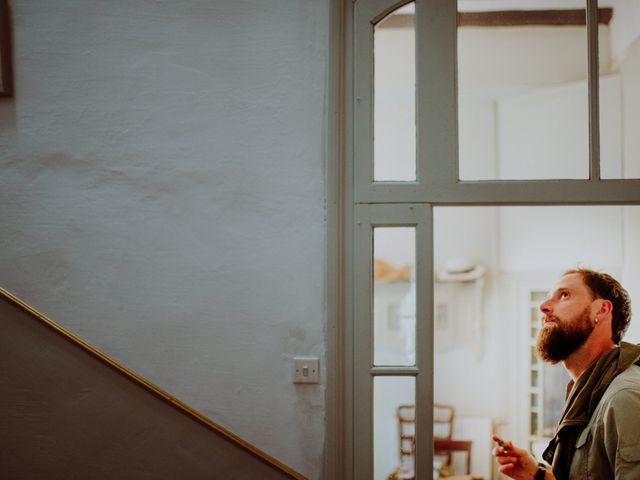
column 284, row 470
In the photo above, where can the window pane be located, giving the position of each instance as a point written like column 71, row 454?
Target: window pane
column 554, row 388
column 394, row 97
column 522, row 92
column 485, row 363
column 619, row 57
column 394, row 297
column 393, row 425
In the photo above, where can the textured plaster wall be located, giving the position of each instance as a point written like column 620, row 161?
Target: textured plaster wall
column 163, row 197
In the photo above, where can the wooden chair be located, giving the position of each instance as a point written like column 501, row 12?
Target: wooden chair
column 442, row 429
column 443, row 444
column 407, row 430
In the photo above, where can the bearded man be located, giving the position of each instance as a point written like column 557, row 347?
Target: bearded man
column 598, row 435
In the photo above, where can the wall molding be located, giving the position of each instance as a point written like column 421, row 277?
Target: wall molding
column 511, row 18
column 517, row 18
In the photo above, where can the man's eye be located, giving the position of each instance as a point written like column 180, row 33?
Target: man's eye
column 564, row 295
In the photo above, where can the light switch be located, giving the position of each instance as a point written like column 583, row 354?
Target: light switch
column 306, row 370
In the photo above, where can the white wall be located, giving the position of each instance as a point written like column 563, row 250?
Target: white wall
column 630, row 85
column 552, row 238
column 163, row 197
column 544, row 134
column 630, row 269
column 630, row 80
column 625, row 27
column 478, row 139
column 529, row 57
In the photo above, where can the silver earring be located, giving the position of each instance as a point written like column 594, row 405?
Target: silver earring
column 596, row 320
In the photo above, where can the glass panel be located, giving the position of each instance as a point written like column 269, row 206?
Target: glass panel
column 522, row 91
column 533, row 427
column 554, row 388
column 394, row 97
column 538, row 298
column 534, row 378
column 494, row 266
column 534, row 331
column 394, row 296
column 393, row 425
column 619, row 59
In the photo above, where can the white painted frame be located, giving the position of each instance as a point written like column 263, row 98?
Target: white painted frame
column 436, row 122
column 367, row 218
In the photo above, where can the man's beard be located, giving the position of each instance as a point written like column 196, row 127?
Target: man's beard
column 559, row 339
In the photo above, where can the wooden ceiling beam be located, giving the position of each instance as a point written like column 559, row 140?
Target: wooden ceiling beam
column 512, row 18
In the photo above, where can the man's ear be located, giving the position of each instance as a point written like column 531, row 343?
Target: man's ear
column 605, row 306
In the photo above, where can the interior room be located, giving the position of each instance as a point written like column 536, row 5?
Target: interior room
column 522, row 115
column 495, row 266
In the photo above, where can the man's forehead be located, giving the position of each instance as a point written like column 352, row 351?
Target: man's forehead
column 571, row 281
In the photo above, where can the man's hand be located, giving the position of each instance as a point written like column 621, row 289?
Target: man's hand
column 513, row 462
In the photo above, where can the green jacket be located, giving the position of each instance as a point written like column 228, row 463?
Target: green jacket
column 609, row 446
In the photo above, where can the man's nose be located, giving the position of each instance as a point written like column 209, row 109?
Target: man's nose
column 545, row 307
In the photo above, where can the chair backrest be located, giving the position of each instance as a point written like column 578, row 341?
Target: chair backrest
column 442, row 425
column 407, row 430
column 443, row 420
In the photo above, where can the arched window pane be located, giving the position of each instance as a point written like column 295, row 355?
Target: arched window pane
column 394, row 97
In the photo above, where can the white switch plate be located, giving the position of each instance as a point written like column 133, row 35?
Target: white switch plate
column 306, row 370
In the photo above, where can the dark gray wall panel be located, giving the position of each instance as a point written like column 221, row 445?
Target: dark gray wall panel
column 65, row 414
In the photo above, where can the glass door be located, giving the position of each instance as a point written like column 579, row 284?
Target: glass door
column 449, row 113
